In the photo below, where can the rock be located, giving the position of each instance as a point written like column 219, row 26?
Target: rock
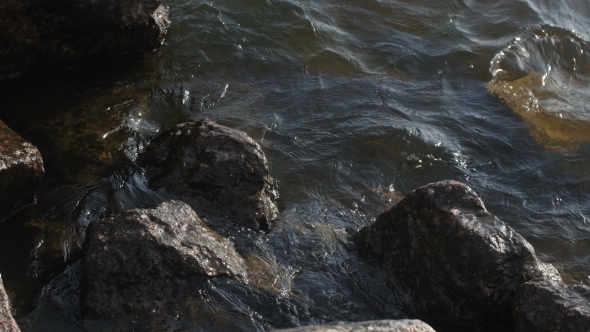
column 21, row 170
column 36, row 33
column 7, row 323
column 402, row 325
column 133, row 259
column 455, row 260
column 544, row 305
column 219, row 171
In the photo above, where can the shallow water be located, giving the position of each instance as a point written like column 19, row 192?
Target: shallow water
column 355, row 103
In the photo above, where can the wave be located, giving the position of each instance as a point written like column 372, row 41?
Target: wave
column 544, row 76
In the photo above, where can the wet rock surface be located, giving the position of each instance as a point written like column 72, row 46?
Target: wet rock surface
column 134, row 261
column 454, row 259
column 219, row 171
column 7, row 323
column 21, row 170
column 36, row 33
column 185, row 304
column 402, row 325
column 544, row 305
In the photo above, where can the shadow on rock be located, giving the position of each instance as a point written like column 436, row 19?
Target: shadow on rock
column 37, row 33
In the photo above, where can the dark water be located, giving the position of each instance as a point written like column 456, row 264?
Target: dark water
column 355, row 103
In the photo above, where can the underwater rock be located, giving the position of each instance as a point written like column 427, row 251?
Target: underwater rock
column 402, row 325
column 454, row 259
column 132, row 261
column 544, row 305
column 7, row 323
column 37, row 33
column 21, row 170
column 219, row 171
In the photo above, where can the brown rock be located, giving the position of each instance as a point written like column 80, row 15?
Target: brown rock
column 455, row 260
column 7, row 323
column 21, row 170
column 549, row 306
column 402, row 325
column 219, row 171
column 132, row 260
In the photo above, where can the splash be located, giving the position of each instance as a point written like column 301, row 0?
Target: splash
column 544, row 77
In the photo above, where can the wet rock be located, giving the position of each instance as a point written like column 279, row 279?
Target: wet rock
column 58, row 303
column 218, row 170
column 402, row 325
column 7, row 323
column 454, row 259
column 21, row 170
column 37, row 33
column 544, row 305
column 131, row 261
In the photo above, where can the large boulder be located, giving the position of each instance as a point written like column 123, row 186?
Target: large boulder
column 219, row 171
column 454, row 259
column 39, row 33
column 7, row 323
column 21, row 170
column 402, row 325
column 544, row 305
column 132, row 260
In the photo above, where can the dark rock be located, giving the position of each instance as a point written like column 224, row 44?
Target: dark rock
column 402, row 325
column 7, row 323
column 544, row 305
column 131, row 260
column 38, row 33
column 218, row 170
column 58, row 303
column 455, row 260
column 21, row 170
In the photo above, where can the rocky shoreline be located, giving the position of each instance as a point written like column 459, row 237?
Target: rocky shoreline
column 454, row 261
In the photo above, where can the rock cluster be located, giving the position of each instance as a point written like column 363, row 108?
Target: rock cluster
column 7, row 323
column 217, row 170
column 38, row 33
column 402, row 325
column 21, row 170
column 452, row 257
column 132, row 260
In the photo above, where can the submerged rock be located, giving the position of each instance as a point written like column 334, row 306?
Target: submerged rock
column 455, row 260
column 402, row 325
column 7, row 323
column 37, row 33
column 218, row 170
column 544, row 305
column 21, row 170
column 132, row 261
